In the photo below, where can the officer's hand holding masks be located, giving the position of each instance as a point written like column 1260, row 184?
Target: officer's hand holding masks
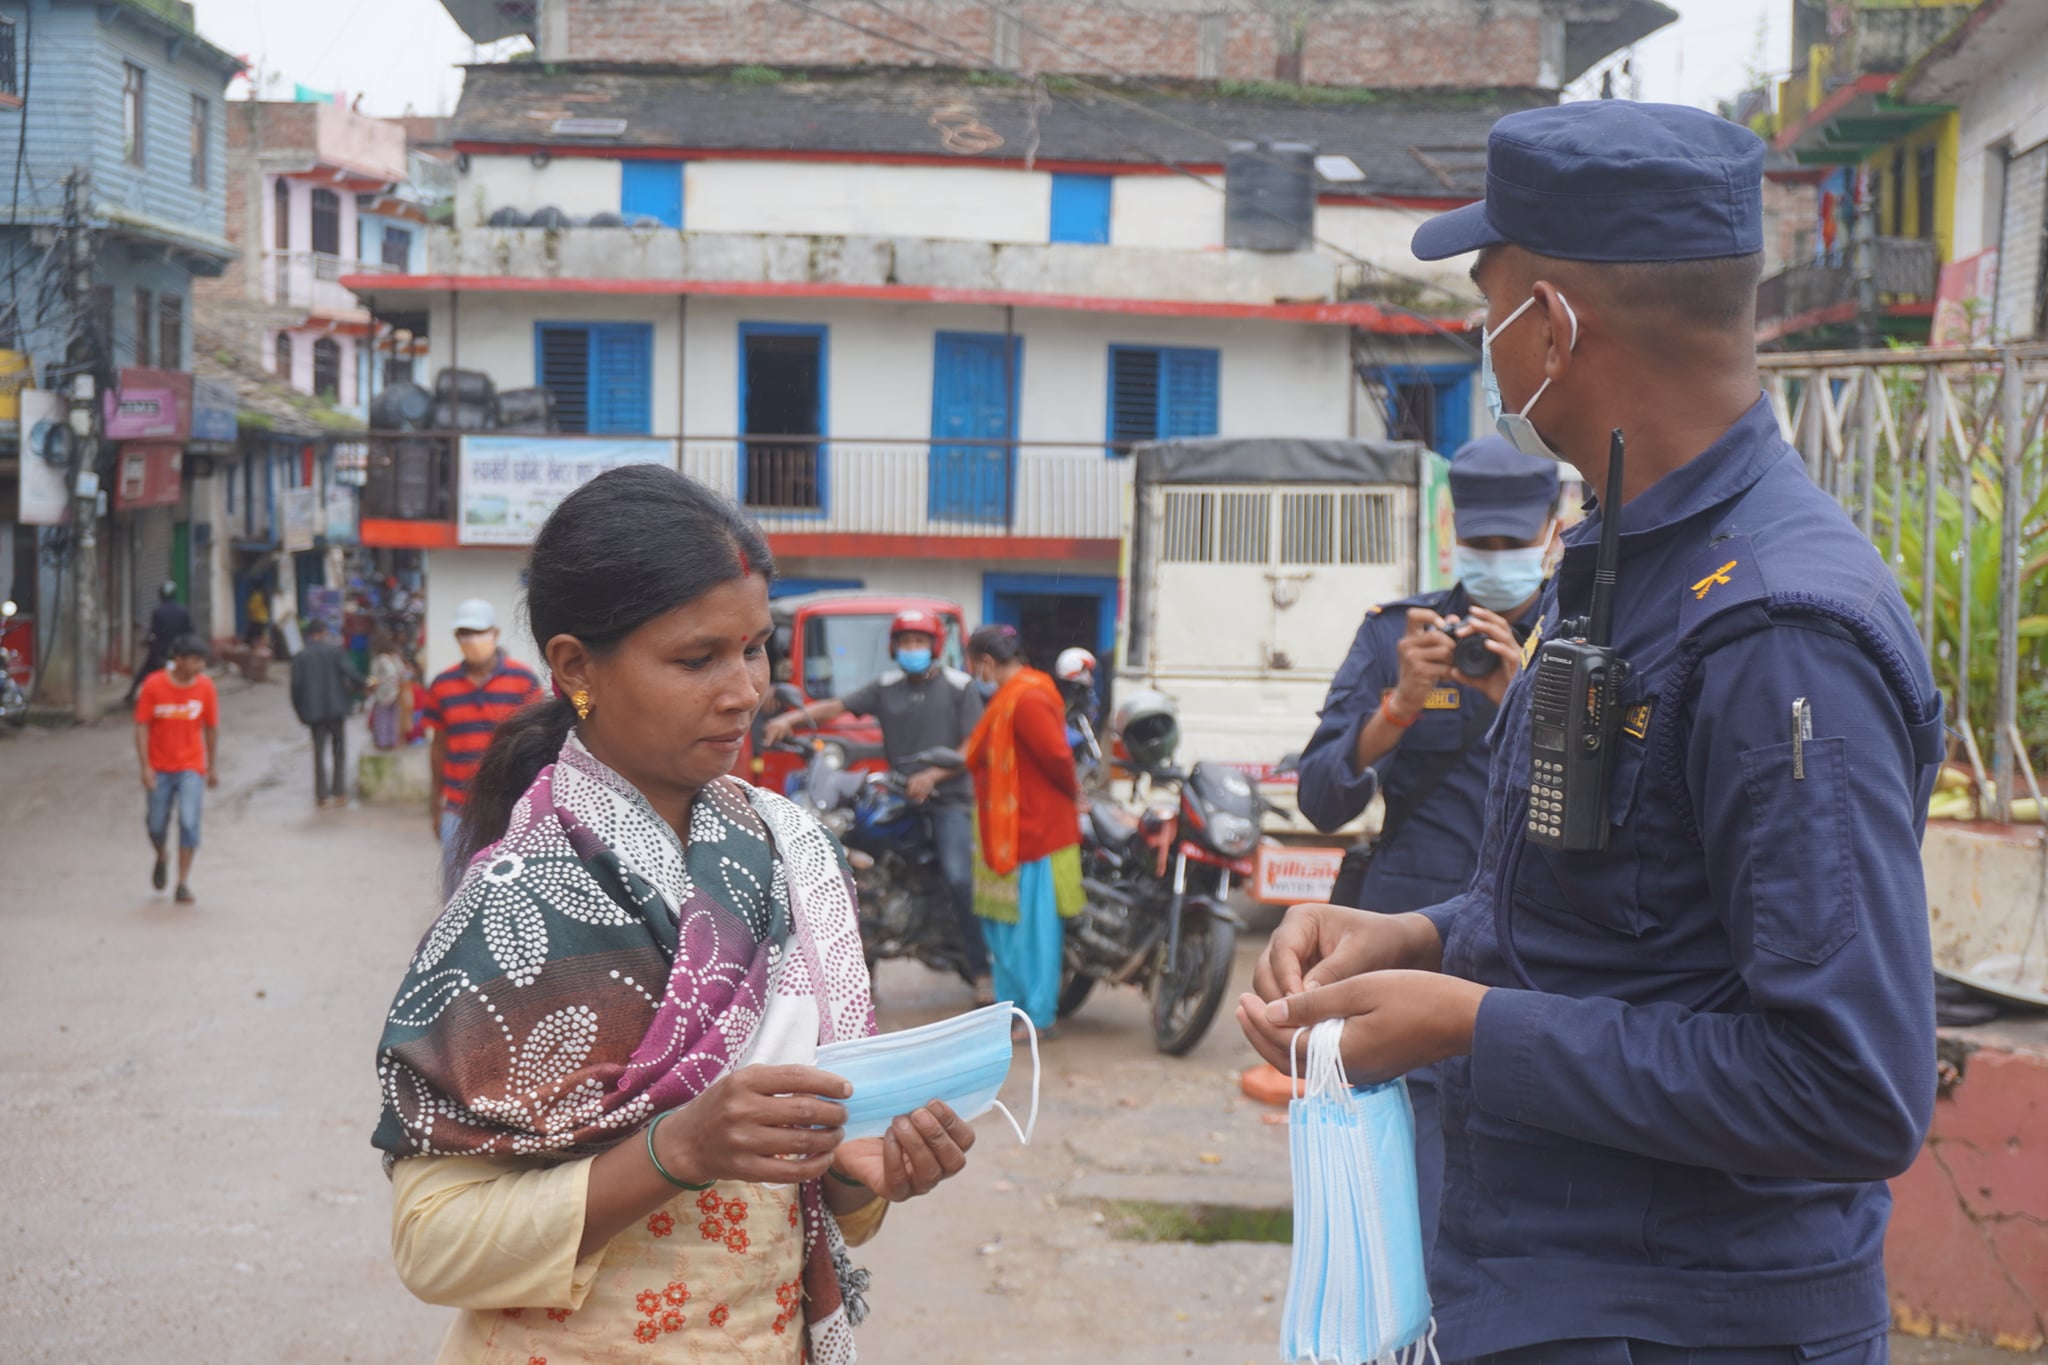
column 1382, row 973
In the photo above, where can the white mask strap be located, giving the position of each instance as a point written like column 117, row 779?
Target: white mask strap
column 1031, row 1124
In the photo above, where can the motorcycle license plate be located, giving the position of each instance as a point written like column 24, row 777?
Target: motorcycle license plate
column 1294, row 876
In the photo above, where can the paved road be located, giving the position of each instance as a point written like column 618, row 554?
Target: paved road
column 189, row 1177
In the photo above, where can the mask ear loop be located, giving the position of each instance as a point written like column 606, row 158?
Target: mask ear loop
column 1031, row 1125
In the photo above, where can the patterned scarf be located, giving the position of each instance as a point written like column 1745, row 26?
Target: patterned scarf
column 992, row 756
column 581, row 982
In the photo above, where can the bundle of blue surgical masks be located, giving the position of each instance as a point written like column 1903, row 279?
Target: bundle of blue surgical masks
column 1357, row 1291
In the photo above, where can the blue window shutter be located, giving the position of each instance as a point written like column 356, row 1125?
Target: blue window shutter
column 653, row 188
column 1133, row 393
column 1080, row 208
column 564, row 369
column 622, row 379
column 1187, row 393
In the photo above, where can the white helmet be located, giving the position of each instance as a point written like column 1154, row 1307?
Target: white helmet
column 1075, row 665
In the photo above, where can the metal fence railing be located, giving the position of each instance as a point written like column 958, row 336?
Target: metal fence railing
column 1937, row 454
column 821, row 485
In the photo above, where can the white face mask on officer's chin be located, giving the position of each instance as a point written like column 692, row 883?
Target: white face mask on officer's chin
column 1516, row 427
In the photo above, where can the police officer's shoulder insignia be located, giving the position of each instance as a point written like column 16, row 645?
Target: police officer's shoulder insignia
column 1724, row 576
column 1636, row 719
column 1442, row 699
column 1530, row 645
column 1371, row 612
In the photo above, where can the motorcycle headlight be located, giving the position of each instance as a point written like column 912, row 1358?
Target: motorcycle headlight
column 831, row 757
column 1234, row 834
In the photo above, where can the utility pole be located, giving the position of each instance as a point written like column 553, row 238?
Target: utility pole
column 85, row 363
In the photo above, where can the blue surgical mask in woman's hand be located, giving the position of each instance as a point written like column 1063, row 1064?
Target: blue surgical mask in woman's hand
column 962, row 1061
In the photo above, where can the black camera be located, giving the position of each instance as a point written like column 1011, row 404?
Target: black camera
column 1472, row 658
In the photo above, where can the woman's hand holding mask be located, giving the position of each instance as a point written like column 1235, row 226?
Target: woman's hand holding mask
column 921, row 1149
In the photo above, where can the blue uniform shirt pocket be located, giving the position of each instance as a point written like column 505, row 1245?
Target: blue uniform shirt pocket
column 1602, row 889
column 1799, row 848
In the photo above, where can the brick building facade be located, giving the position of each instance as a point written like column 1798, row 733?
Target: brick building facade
column 1377, row 44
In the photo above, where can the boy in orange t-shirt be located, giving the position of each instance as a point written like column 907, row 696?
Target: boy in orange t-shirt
column 177, row 726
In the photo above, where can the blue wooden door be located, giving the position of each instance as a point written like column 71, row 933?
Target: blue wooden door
column 974, row 378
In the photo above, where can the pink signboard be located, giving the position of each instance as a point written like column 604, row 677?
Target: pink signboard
column 150, row 405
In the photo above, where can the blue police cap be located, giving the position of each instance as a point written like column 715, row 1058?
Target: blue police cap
column 1612, row 180
column 1496, row 490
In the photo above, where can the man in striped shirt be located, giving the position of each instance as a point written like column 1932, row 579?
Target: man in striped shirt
column 464, row 708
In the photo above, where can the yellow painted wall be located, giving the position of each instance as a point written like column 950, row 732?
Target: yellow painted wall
column 1943, row 136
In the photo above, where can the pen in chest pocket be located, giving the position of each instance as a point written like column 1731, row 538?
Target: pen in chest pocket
column 1802, row 730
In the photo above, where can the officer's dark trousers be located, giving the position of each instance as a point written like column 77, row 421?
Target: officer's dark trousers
column 330, row 735
column 953, row 832
column 1874, row 1350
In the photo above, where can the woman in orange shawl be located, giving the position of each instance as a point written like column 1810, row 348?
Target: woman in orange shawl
column 1026, row 789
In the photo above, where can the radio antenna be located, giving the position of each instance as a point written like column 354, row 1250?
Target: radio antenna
column 1601, row 628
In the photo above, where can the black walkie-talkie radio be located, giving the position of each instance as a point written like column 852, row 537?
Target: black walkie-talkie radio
column 1575, row 703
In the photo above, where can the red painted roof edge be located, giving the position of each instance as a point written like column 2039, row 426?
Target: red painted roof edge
column 1832, row 105
column 1363, row 315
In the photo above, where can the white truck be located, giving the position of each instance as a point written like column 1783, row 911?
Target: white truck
column 1251, row 563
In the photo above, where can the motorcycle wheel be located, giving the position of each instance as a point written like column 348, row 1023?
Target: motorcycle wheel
column 1074, row 989
column 1187, row 992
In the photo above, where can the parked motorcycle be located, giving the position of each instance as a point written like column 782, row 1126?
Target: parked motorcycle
column 906, row 908
column 13, row 701
column 1158, row 884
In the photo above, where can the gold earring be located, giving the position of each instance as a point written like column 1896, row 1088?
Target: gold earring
column 581, row 701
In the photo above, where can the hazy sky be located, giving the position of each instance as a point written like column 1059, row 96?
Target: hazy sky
column 401, row 54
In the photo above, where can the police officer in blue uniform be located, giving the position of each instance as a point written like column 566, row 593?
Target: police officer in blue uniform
column 1402, row 718
column 1677, row 1072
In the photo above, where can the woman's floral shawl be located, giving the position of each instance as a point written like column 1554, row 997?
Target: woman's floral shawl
column 582, row 981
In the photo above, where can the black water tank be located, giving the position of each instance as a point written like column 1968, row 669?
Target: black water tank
column 527, row 410
column 401, row 407
column 1269, row 196
column 549, row 217
column 604, row 220
column 506, row 218
column 467, row 386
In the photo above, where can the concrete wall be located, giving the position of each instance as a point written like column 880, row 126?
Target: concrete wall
column 1275, row 378
column 968, row 203
column 577, row 185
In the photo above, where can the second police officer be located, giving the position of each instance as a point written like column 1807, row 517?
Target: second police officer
column 1676, row 1072
column 1404, row 719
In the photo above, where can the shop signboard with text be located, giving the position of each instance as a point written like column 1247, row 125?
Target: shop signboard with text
column 511, row 483
column 152, row 475
column 214, row 408
column 46, row 442
column 298, row 515
column 150, row 405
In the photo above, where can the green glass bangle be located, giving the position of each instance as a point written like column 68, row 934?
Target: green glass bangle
column 663, row 1170
column 846, row 1179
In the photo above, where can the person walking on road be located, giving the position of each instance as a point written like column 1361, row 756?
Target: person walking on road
column 1026, row 788
column 177, row 734
column 922, row 704
column 1684, row 1049
column 324, row 686
column 620, row 1141
column 168, row 622
column 390, row 679
column 465, row 706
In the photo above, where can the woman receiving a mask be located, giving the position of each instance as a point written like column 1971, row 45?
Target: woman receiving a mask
column 602, row 1121
column 1025, row 787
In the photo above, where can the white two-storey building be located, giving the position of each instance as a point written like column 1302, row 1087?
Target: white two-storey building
column 913, row 321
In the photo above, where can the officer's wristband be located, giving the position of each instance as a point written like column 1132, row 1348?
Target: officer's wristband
column 1388, row 714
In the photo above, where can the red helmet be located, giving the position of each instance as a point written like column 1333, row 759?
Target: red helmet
column 918, row 621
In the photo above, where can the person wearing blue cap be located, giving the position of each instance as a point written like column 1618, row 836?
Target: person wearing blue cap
column 1675, row 1071
column 1404, row 717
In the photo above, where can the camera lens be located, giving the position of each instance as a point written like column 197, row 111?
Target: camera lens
column 1474, row 659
